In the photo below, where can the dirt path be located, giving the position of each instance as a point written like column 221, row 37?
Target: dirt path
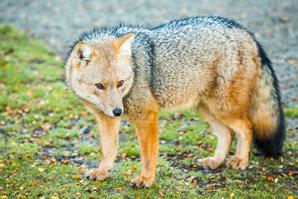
column 59, row 22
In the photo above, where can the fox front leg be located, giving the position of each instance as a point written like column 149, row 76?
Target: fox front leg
column 109, row 129
column 147, row 132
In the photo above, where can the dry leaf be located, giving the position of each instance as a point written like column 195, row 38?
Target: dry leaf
column 76, row 177
column 270, row 178
column 34, row 184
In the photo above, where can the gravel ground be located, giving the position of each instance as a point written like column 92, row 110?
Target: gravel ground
column 59, row 22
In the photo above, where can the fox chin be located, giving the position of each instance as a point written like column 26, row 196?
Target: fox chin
column 211, row 64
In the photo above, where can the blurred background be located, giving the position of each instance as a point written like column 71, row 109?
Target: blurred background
column 60, row 22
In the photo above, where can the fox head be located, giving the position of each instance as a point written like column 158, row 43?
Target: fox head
column 101, row 72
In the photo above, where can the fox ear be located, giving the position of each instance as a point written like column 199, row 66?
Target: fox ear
column 83, row 53
column 122, row 45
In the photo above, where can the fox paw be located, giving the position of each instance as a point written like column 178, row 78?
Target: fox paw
column 98, row 174
column 210, row 162
column 237, row 162
column 142, row 181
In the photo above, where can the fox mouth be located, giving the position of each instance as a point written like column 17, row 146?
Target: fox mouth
column 114, row 113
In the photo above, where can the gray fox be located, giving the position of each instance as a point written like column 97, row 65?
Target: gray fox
column 212, row 64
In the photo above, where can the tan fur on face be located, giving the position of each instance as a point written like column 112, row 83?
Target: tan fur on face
column 106, row 62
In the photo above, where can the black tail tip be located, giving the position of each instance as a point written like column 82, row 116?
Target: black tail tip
column 272, row 147
column 269, row 148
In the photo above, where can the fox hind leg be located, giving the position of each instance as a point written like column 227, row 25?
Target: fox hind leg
column 243, row 131
column 224, row 137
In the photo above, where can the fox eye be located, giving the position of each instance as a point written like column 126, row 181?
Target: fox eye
column 120, row 83
column 99, row 86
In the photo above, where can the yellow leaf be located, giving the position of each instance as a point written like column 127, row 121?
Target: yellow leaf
column 76, row 177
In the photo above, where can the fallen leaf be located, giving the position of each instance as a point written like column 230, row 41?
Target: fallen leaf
column 34, row 184
column 270, row 178
column 3, row 166
column 84, row 113
column 232, row 195
column 292, row 173
column 53, row 161
column 76, row 177
column 41, row 170
column 64, row 161
column 78, row 194
column 119, row 189
column 48, row 144
column 160, row 194
column 194, row 181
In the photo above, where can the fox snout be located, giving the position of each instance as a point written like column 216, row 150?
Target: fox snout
column 113, row 112
column 117, row 112
column 112, row 102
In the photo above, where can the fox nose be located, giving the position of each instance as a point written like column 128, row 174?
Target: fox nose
column 117, row 112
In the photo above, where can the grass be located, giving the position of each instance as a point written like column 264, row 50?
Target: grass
column 48, row 140
column 291, row 112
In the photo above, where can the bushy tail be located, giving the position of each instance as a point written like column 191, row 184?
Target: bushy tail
column 266, row 112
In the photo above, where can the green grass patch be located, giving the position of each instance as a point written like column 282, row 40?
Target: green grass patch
column 291, row 111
